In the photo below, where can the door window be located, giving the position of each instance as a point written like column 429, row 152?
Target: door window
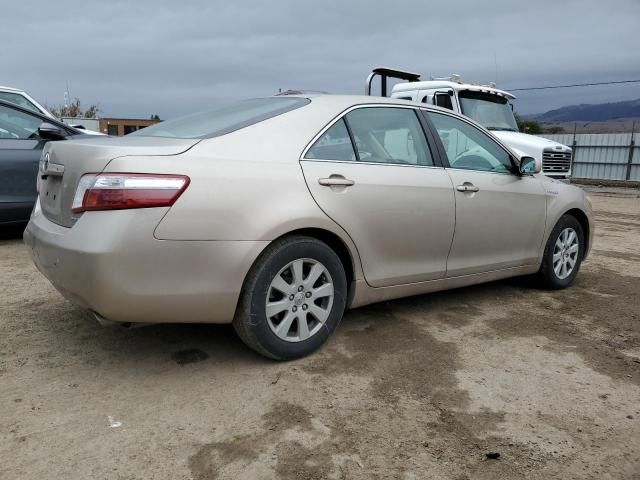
column 443, row 99
column 334, row 144
column 18, row 100
column 469, row 148
column 16, row 125
column 389, row 135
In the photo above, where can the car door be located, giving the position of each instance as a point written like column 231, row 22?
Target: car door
column 372, row 171
column 500, row 215
column 20, row 149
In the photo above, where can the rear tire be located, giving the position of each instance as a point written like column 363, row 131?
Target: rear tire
column 562, row 254
column 293, row 298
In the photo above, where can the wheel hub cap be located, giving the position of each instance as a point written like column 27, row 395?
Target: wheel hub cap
column 299, row 300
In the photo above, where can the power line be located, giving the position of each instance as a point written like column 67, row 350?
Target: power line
column 573, row 85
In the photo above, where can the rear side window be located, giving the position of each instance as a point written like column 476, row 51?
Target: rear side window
column 213, row 123
column 389, row 135
column 334, row 144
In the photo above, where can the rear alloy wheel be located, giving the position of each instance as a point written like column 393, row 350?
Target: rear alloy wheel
column 293, row 298
column 563, row 253
column 299, row 300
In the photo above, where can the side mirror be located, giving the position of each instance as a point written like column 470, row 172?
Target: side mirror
column 529, row 166
column 49, row 131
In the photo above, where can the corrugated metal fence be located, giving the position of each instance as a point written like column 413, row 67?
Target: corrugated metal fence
column 603, row 156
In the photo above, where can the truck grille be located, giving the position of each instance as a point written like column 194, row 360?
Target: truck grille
column 556, row 162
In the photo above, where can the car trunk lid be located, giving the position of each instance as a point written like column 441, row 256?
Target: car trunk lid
column 64, row 162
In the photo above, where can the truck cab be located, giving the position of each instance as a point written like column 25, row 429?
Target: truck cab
column 485, row 104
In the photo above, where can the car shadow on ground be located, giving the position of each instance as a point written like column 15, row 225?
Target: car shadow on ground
column 185, row 344
column 12, row 232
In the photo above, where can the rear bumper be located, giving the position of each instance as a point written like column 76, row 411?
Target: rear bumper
column 110, row 263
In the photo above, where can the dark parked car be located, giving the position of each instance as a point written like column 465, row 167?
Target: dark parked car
column 23, row 134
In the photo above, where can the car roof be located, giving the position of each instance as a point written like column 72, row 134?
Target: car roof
column 346, row 101
column 11, row 89
column 431, row 84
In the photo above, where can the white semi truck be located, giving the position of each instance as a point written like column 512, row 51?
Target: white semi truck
column 485, row 104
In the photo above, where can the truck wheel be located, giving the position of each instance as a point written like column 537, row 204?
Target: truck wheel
column 562, row 254
column 293, row 298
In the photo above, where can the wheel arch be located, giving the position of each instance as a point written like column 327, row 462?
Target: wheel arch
column 582, row 218
column 348, row 257
column 338, row 245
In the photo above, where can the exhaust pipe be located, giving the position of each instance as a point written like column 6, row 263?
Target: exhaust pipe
column 111, row 324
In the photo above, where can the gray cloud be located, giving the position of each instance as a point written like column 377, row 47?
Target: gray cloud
column 166, row 57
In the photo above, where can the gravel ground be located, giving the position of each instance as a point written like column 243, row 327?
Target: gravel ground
column 421, row 388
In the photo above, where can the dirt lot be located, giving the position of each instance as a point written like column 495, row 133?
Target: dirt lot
column 419, row 388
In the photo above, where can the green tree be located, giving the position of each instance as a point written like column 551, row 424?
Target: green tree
column 155, row 117
column 528, row 126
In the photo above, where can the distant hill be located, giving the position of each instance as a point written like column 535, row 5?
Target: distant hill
column 591, row 112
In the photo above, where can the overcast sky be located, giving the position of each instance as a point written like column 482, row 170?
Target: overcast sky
column 139, row 57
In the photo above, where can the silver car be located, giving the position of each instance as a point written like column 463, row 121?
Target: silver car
column 279, row 213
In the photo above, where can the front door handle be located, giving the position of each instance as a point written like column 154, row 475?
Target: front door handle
column 467, row 187
column 336, row 181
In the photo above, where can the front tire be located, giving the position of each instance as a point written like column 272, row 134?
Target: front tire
column 562, row 254
column 293, row 298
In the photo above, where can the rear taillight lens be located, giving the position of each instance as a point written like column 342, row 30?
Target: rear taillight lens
column 117, row 191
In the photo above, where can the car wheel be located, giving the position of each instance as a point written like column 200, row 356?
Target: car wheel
column 562, row 254
column 293, row 298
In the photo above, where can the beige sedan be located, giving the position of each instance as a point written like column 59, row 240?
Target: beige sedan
column 279, row 213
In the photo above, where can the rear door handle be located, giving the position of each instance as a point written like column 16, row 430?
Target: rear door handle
column 336, row 180
column 467, row 187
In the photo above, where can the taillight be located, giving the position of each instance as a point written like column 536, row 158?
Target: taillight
column 117, row 191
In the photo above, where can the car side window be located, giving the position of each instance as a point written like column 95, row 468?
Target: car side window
column 468, row 147
column 334, row 144
column 17, row 125
column 443, row 99
column 18, row 100
column 389, row 135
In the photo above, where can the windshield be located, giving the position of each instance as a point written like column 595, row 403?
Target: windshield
column 220, row 121
column 491, row 111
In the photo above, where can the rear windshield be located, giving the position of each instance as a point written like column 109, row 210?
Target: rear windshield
column 213, row 123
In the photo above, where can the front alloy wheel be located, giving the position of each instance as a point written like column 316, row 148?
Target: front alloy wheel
column 563, row 253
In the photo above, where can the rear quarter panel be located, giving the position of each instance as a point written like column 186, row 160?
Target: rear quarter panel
column 245, row 186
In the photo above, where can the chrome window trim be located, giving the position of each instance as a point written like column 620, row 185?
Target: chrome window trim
column 385, row 164
column 342, row 115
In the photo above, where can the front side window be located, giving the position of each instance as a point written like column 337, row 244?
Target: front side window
column 18, row 100
column 389, row 135
column 220, row 121
column 16, row 125
column 334, row 144
column 469, row 148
